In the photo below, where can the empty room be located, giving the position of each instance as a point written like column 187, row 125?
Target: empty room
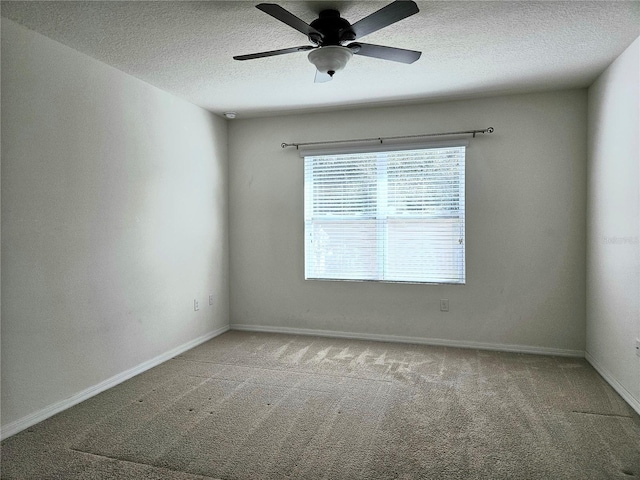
column 320, row 240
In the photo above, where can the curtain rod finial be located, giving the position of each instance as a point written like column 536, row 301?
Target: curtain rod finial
column 490, row 130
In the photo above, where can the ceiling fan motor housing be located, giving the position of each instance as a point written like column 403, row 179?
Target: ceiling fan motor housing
column 335, row 30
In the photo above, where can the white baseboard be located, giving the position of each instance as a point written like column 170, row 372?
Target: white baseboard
column 36, row 417
column 501, row 347
column 615, row 384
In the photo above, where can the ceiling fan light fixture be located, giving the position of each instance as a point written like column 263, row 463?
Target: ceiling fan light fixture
column 330, row 59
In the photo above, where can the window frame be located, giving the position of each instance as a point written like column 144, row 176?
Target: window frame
column 390, row 148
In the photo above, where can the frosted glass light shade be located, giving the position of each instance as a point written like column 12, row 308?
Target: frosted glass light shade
column 330, row 59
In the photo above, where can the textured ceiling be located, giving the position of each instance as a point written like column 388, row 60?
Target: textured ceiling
column 469, row 48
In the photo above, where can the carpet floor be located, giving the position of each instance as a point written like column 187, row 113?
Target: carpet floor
column 271, row 406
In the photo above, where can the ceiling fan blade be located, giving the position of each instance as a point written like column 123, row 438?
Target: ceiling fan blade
column 272, row 53
column 279, row 13
column 322, row 77
column 392, row 13
column 385, row 53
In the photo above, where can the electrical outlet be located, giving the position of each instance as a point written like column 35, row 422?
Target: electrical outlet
column 195, row 305
column 444, row 305
column 211, row 299
column 638, row 347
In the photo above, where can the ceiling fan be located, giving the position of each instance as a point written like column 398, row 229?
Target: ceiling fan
column 330, row 32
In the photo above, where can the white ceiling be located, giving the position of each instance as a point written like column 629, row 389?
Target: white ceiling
column 469, row 48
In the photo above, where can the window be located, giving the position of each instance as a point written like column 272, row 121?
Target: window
column 394, row 216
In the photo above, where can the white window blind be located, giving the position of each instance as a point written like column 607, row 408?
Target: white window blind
column 395, row 216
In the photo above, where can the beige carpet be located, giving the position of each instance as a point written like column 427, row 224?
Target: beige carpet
column 269, row 406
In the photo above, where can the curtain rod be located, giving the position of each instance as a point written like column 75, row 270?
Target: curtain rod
column 381, row 139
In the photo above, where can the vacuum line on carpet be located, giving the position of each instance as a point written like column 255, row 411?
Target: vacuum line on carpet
column 283, row 370
column 139, row 463
column 602, row 414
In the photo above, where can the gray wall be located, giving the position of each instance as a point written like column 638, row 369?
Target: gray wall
column 114, row 218
column 526, row 201
column 613, row 260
